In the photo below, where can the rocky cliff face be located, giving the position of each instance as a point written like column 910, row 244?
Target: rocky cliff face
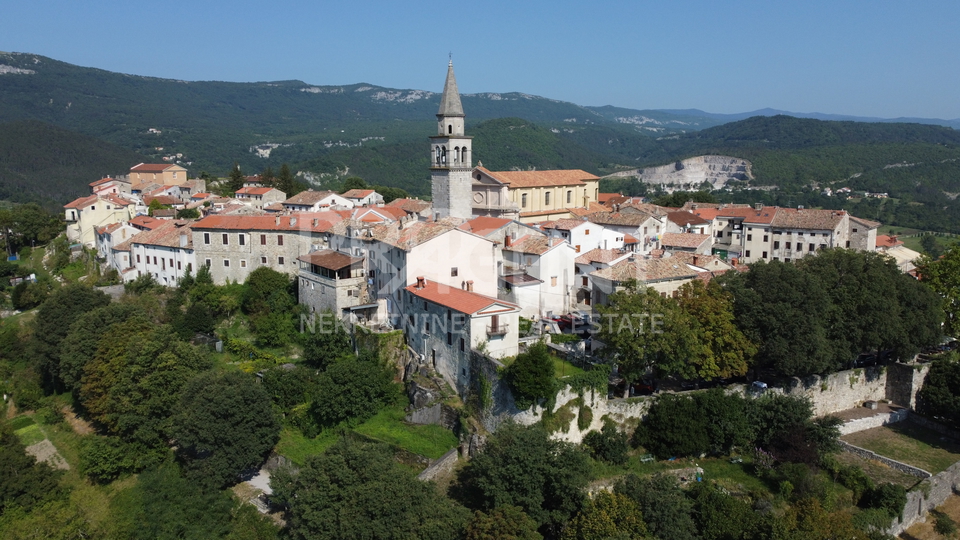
column 690, row 173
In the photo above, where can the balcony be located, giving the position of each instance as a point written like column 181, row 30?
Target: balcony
column 499, row 330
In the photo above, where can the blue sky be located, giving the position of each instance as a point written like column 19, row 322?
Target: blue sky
column 878, row 58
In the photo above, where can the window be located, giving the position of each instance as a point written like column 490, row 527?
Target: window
column 263, row 239
column 207, row 262
column 178, row 265
column 788, row 245
column 263, row 260
column 810, row 247
column 138, row 256
column 461, row 344
column 171, row 263
column 243, row 263
column 553, row 281
column 206, row 238
column 749, row 237
column 226, row 238
column 776, row 244
column 546, row 198
column 586, row 281
column 746, row 253
column 163, row 263
column 569, row 196
column 523, row 200
column 764, row 254
column 586, row 232
column 454, row 272
column 848, row 243
column 426, row 328
column 241, row 239
column 765, row 238
column 578, row 248
column 280, row 240
column 280, row 260
column 226, row 263
column 854, row 230
column 449, row 338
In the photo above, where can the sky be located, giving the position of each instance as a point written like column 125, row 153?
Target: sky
column 875, row 58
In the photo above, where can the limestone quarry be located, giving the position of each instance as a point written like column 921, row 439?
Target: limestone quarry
column 690, row 173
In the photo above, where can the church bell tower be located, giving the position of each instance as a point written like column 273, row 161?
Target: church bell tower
column 451, row 156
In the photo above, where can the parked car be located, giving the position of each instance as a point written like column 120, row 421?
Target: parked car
column 758, row 387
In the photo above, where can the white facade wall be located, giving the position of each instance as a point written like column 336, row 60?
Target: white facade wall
column 166, row 264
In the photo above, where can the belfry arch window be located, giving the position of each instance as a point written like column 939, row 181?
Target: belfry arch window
column 437, row 149
column 450, row 129
column 443, row 156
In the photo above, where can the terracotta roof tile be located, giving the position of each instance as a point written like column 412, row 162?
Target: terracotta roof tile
column 254, row 190
column 82, row 202
column 330, row 259
column 150, row 167
column 167, row 235
column 484, row 225
column 518, row 179
column 605, row 256
column 686, row 219
column 411, row 206
column 460, row 300
column 646, row 271
column 683, row 240
column 821, row 220
column 145, row 222
column 356, row 193
column 533, row 244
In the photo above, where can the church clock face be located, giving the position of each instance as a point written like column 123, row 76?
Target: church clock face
column 478, row 198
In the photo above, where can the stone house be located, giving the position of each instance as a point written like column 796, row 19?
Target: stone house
column 110, row 185
column 164, row 174
column 595, row 259
column 443, row 324
column 645, row 227
column 537, row 275
column 662, row 275
column 332, row 281
column 85, row 214
column 166, row 252
column 258, row 197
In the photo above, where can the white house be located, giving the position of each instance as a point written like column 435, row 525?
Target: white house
column 166, row 253
column 363, row 197
column 314, row 201
column 443, row 324
column 85, row 214
column 537, row 275
column 595, row 259
column 584, row 235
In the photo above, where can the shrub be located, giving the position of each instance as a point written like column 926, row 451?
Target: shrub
column 943, row 524
column 609, row 444
column 888, row 497
column 531, row 376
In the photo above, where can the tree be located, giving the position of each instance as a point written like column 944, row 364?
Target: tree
column 674, row 426
column 352, row 391
column 726, row 352
column 939, row 397
column 666, row 509
column 80, row 344
column 235, row 183
column 930, row 246
column 782, row 308
column 943, row 276
column 223, row 426
column 721, row 516
column 188, row 213
column 266, row 290
column 531, row 376
column 522, row 466
column 607, row 516
column 104, row 459
column 24, row 483
column 502, row 523
column 289, row 387
column 353, row 182
column 287, row 183
column 642, row 330
column 357, row 490
column 53, row 323
column 609, row 444
column 325, row 344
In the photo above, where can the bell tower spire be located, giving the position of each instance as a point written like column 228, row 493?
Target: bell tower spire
column 451, row 156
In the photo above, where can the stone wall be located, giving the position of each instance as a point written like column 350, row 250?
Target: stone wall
column 926, row 496
column 904, row 381
column 877, row 420
column 441, row 467
column 892, row 463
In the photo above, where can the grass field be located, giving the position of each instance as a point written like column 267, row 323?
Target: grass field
column 30, row 435
column 387, row 426
column 910, row 444
column 878, row 472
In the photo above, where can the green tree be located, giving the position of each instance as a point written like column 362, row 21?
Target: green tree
column 725, row 351
column 188, row 213
column 235, row 182
column 502, row 523
column 289, row 387
column 522, row 466
column 357, row 490
column 666, row 509
column 53, row 322
column 104, row 459
column 939, row 397
column 782, row 308
column 326, row 343
column 352, row 391
column 609, row 444
column 721, row 516
column 943, row 276
column 674, row 426
column 353, row 182
column 223, row 426
column 642, row 331
column 287, row 183
column 267, row 290
column 24, row 483
column 608, row 516
column 80, row 344
column 531, row 376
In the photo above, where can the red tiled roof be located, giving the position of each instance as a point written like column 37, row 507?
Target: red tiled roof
column 162, row 199
column 328, row 258
column 151, row 167
column 357, row 193
column 460, row 300
column 684, row 240
column 167, row 235
column 519, row 179
column 146, row 222
column 411, row 206
column 602, row 198
column 201, row 195
column 686, row 219
column 101, row 181
column 599, row 255
column 484, row 225
column 591, row 208
column 253, row 191
column 533, row 244
column 629, row 239
column 313, row 221
column 82, row 202
column 565, row 224
column 886, row 241
column 646, row 270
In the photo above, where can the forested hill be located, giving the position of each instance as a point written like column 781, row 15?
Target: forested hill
column 46, row 164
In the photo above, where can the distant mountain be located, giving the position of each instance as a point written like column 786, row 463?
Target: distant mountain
column 380, row 133
column 724, row 118
column 50, row 165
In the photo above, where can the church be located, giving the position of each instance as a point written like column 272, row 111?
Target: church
column 463, row 191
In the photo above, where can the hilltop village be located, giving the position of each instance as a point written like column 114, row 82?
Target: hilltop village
column 574, row 364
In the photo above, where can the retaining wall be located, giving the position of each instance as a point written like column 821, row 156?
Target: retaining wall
column 926, row 496
column 440, row 467
column 877, row 420
column 892, row 463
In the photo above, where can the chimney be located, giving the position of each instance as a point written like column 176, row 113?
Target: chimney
column 800, row 208
column 293, row 221
column 316, row 222
column 183, row 239
column 758, row 206
column 421, row 282
column 470, row 286
column 507, row 241
column 693, row 206
column 696, row 259
column 278, row 220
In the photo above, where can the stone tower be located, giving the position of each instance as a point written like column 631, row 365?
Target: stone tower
column 451, row 156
